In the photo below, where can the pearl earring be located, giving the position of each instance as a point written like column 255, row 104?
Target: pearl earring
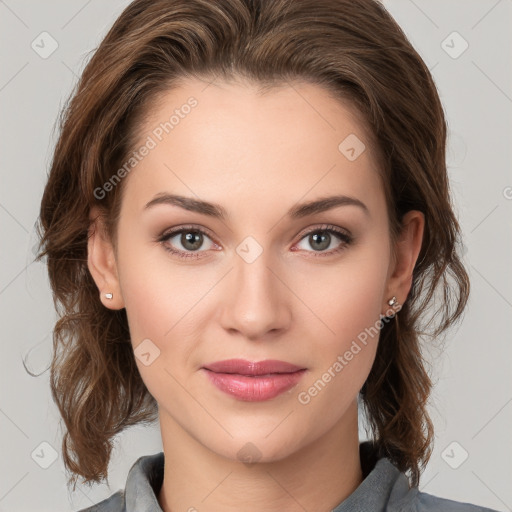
column 108, row 295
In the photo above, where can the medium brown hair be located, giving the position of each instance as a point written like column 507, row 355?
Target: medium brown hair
column 354, row 50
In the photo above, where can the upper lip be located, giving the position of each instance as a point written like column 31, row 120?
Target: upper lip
column 244, row 367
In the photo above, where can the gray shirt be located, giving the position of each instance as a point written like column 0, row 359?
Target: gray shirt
column 384, row 489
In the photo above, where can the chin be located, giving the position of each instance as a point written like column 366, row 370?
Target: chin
column 257, row 445
column 250, row 451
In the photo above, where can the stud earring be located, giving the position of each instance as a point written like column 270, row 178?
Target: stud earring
column 392, row 301
column 108, row 295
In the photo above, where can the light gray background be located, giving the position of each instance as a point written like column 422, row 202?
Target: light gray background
column 473, row 393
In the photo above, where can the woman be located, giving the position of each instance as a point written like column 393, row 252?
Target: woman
column 245, row 222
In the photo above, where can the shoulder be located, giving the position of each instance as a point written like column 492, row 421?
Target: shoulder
column 416, row 501
column 144, row 480
column 386, row 488
column 115, row 503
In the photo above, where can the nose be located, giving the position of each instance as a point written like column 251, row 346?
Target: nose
column 257, row 301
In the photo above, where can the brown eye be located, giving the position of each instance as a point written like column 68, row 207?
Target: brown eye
column 191, row 240
column 186, row 242
column 321, row 239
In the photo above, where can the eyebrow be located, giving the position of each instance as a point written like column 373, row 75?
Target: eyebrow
column 217, row 211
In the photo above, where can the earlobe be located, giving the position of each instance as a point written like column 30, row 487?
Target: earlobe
column 102, row 263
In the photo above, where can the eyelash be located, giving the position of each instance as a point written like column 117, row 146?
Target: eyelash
column 326, row 228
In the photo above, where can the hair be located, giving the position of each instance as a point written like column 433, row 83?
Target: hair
column 354, row 50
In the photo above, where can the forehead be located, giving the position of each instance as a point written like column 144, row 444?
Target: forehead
column 228, row 142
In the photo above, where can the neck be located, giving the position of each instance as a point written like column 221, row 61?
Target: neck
column 318, row 477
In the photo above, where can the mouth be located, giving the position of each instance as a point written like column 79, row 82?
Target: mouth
column 253, row 380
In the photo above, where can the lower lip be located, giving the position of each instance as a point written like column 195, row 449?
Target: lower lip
column 254, row 389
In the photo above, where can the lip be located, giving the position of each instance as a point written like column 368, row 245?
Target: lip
column 253, row 380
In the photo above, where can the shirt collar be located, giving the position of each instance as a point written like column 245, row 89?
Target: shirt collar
column 381, row 480
column 144, row 483
column 383, row 483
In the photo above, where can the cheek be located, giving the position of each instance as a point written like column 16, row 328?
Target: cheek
column 347, row 303
column 157, row 292
column 345, row 299
column 344, row 359
column 163, row 323
column 167, row 304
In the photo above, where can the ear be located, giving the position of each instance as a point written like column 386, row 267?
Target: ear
column 407, row 249
column 101, row 261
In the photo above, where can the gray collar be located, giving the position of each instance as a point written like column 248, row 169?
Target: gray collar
column 382, row 483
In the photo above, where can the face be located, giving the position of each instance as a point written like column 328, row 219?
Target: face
column 256, row 277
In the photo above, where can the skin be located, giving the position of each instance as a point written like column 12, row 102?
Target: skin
column 257, row 156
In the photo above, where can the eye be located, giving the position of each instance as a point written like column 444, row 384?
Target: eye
column 190, row 238
column 324, row 237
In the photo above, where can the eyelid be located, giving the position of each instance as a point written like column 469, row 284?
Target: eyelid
column 184, row 227
column 302, row 234
column 325, row 227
